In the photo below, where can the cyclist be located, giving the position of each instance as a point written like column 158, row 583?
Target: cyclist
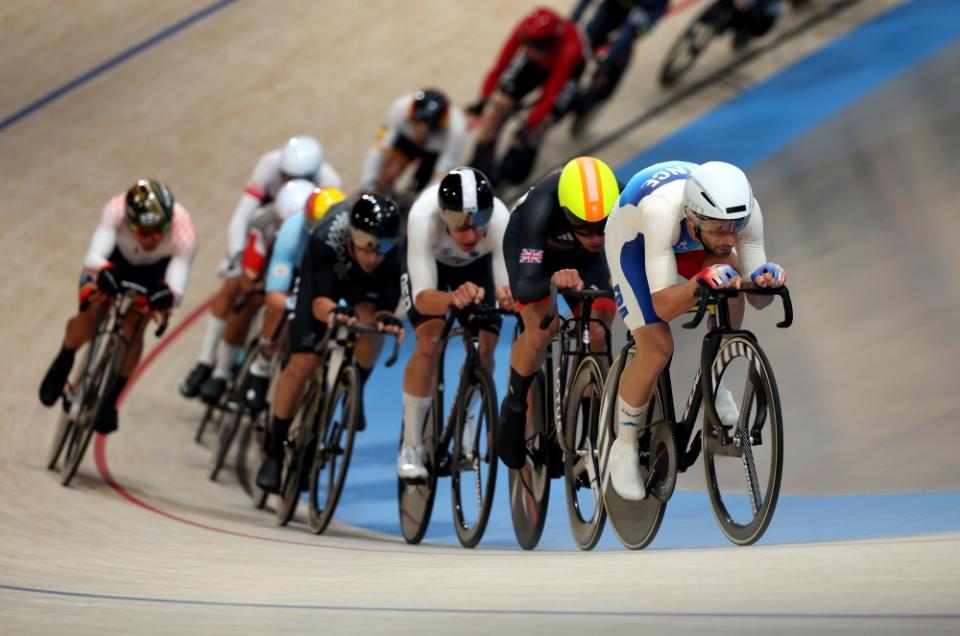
column 616, row 23
column 454, row 258
column 555, row 234
column 290, row 203
column 421, row 128
column 144, row 237
column 544, row 51
column 281, row 273
column 352, row 256
column 700, row 223
column 302, row 157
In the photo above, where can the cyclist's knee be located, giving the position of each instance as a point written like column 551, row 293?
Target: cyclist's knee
column 427, row 334
column 300, row 366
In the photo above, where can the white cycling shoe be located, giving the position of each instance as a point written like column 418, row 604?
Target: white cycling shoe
column 727, row 407
column 410, row 464
column 625, row 476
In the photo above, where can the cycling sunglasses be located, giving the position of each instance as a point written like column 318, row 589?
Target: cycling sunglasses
column 366, row 241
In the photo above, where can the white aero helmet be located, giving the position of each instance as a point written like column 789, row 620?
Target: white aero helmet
column 718, row 191
column 292, row 197
column 301, row 157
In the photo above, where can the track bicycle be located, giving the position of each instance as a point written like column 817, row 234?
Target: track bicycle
column 743, row 463
column 319, row 445
column 86, row 394
column 471, row 463
column 563, row 408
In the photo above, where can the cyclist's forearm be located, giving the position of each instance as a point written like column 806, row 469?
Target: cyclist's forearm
column 674, row 301
column 322, row 307
column 433, row 302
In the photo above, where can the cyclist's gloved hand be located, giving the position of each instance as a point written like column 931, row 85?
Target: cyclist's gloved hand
column 108, row 283
column 342, row 314
column 769, row 275
column 718, row 277
column 161, row 298
column 390, row 324
column 475, row 108
column 232, row 266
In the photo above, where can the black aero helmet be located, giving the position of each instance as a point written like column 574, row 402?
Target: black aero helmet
column 149, row 206
column 465, row 196
column 430, row 107
column 374, row 222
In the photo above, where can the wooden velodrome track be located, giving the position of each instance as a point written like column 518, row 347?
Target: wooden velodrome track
column 197, row 109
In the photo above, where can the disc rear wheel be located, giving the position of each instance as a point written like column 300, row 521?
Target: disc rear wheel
column 530, row 485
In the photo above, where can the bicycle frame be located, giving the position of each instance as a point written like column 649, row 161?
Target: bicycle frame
column 572, row 345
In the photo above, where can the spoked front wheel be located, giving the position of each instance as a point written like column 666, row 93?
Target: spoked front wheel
column 328, row 473
column 744, row 461
column 474, row 465
column 581, row 426
column 530, row 485
column 295, row 456
column 93, row 396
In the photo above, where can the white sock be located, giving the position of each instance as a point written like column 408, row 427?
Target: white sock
column 629, row 418
column 414, row 412
column 226, row 355
column 260, row 366
column 214, row 333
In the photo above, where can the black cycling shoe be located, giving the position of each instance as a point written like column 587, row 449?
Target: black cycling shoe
column 268, row 477
column 53, row 382
column 190, row 388
column 255, row 397
column 511, row 442
column 106, row 421
column 212, row 390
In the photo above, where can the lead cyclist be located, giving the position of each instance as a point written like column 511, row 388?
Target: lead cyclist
column 677, row 226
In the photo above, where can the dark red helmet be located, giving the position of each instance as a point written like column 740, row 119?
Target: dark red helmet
column 540, row 26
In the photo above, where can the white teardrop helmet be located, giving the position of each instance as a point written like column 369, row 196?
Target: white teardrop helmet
column 717, row 191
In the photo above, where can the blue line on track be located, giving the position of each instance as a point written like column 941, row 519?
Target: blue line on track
column 112, row 62
column 475, row 611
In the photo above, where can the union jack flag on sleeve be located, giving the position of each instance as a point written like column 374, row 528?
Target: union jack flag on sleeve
column 531, row 256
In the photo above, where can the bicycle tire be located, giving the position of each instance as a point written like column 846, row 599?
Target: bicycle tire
column 692, row 42
column 470, row 528
column 635, row 523
column 583, row 463
column 530, row 486
column 764, row 395
column 226, row 433
column 415, row 500
column 82, row 431
column 66, row 420
column 251, row 447
column 333, row 453
column 204, row 421
column 294, row 458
